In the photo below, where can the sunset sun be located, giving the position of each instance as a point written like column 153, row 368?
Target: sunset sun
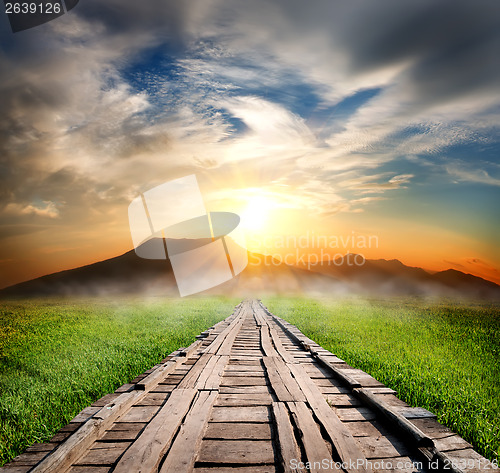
column 256, row 214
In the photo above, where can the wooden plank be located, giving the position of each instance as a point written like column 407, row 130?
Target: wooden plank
column 152, row 399
column 279, row 346
column 105, row 400
column 340, row 436
column 332, row 359
column 210, row 378
column 227, row 344
column 89, row 469
column 13, row 468
column 343, row 375
column 334, row 390
column 164, row 388
column 453, row 442
column 29, row 458
column 184, row 450
column 191, row 378
column 259, row 320
column 432, row 428
column 41, row 447
column 395, row 417
column 382, row 447
column 113, row 435
column 238, row 431
column 85, row 414
column 366, row 429
column 240, row 414
column 244, row 359
column 172, row 379
column 342, row 400
column 222, row 346
column 361, row 377
column 388, row 399
column 355, row 414
column 146, row 452
column 235, row 381
column 381, row 390
column 265, row 340
column 284, row 386
column 416, row 413
column 244, row 400
column 160, row 373
column 103, row 455
column 60, row 437
column 139, row 414
column 245, row 452
column 244, row 390
column 136, row 426
column 314, row 444
column 249, row 351
column 289, row 450
column 75, row 446
column 125, row 388
column 327, row 383
column 254, row 367
column 244, row 374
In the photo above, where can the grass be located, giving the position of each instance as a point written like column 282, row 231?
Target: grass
column 58, row 356
column 442, row 356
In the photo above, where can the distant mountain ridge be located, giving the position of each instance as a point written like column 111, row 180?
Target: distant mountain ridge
column 129, row 274
column 393, row 277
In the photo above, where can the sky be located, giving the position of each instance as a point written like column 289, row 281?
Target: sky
column 325, row 118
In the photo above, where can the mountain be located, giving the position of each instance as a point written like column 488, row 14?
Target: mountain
column 120, row 275
column 391, row 277
column 129, row 274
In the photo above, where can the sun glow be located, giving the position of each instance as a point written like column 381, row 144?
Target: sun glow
column 256, row 214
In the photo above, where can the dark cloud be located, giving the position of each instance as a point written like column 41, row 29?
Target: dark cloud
column 445, row 48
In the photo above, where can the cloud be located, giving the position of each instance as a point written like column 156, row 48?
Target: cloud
column 41, row 209
column 269, row 123
column 465, row 174
column 365, row 200
column 367, row 184
column 119, row 96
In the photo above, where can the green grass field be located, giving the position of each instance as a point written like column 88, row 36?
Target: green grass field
column 441, row 356
column 59, row 356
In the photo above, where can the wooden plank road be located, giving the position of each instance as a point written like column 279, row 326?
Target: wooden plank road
column 251, row 395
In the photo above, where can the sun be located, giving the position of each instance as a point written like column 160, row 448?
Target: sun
column 256, row 214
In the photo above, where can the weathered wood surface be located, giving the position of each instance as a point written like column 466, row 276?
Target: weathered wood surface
column 251, row 395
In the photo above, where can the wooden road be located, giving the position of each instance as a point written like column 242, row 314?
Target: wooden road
column 252, row 395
